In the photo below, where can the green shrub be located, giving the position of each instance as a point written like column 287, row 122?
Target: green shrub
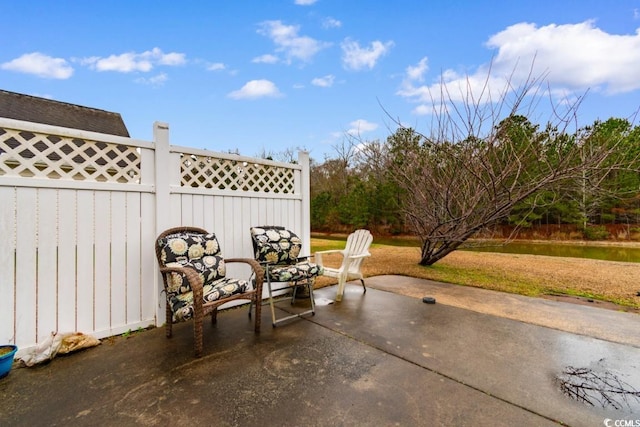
column 597, row 232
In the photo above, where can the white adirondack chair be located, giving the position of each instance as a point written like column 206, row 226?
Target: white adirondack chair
column 355, row 251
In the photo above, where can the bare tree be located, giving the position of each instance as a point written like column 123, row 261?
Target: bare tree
column 480, row 158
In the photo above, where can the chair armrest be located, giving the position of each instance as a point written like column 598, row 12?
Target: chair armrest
column 255, row 265
column 258, row 271
column 195, row 281
column 318, row 255
column 330, row 251
column 367, row 254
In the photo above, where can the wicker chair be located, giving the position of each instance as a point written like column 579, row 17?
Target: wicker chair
column 278, row 250
column 195, row 283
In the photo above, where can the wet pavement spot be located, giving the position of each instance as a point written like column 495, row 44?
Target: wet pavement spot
column 594, row 388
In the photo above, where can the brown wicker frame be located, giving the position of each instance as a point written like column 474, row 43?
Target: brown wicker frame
column 200, row 308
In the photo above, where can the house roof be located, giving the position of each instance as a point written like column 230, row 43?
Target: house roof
column 29, row 108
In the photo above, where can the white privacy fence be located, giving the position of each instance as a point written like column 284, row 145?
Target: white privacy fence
column 80, row 211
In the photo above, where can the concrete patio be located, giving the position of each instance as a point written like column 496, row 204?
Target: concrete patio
column 380, row 358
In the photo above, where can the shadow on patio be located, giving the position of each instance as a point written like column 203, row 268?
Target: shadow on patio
column 378, row 358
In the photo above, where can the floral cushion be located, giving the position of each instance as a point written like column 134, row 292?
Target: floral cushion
column 202, row 253
column 182, row 247
column 275, row 245
column 182, row 304
column 199, row 251
column 279, row 249
column 293, row 273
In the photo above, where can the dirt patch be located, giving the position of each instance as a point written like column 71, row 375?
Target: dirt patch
column 591, row 302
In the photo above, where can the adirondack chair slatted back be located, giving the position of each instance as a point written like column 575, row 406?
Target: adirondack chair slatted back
column 353, row 255
column 358, row 243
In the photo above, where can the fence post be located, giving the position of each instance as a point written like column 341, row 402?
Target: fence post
column 163, row 196
column 305, row 189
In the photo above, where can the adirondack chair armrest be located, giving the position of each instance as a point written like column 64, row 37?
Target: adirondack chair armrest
column 359, row 256
column 318, row 255
column 329, row 251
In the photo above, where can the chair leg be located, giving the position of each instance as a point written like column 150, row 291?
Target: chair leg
column 169, row 322
column 197, row 335
column 214, row 316
column 341, row 284
column 363, row 286
column 273, row 309
column 294, row 291
column 310, row 283
column 306, row 282
column 258, row 312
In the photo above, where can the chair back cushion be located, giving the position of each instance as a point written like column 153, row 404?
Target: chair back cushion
column 190, row 249
column 275, row 245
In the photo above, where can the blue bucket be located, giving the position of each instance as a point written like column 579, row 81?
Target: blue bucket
column 6, row 359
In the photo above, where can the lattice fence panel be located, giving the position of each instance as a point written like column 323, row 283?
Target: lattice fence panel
column 226, row 174
column 37, row 155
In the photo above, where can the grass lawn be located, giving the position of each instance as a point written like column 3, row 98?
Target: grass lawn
column 530, row 275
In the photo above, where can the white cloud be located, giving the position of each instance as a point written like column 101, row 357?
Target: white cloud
column 572, row 58
column 417, row 73
column 576, row 56
column 305, row 2
column 423, row 110
column 265, row 59
column 355, row 57
column 132, row 61
column 218, row 66
column 331, row 23
column 256, row 89
column 40, row 65
column 360, row 126
column 172, row 58
column 326, row 81
column 158, row 80
column 287, row 41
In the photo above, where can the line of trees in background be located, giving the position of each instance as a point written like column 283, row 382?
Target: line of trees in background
column 483, row 164
column 360, row 186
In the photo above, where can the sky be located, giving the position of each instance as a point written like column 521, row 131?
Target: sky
column 264, row 77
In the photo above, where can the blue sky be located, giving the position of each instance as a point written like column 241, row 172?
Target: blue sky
column 267, row 76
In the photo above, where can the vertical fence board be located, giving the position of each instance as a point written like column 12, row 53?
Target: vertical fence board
column 66, row 261
column 47, row 274
column 85, row 232
column 175, row 210
column 186, row 211
column 198, row 216
column 26, row 291
column 102, row 261
column 132, row 241
column 229, row 214
column 218, row 214
column 208, row 218
column 7, row 264
column 148, row 269
column 118, row 260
